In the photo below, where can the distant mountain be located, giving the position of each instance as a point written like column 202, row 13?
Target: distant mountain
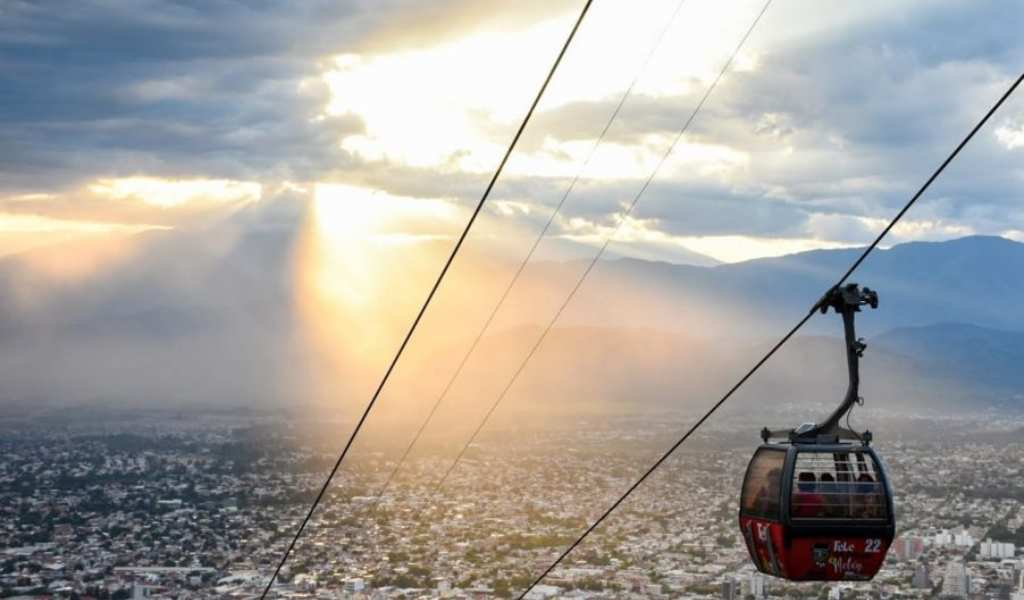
column 965, row 280
column 213, row 316
column 958, row 351
column 673, row 255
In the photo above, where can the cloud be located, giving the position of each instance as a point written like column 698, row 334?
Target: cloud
column 143, row 201
column 1011, row 134
column 191, row 89
column 831, row 124
column 839, row 131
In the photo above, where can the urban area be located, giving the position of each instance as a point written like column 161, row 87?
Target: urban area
column 152, row 505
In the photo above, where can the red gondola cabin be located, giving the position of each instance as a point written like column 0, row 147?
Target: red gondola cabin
column 816, row 507
column 831, row 520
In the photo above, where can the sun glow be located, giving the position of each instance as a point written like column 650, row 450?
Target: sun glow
column 346, row 213
column 174, row 192
column 21, row 233
column 356, row 259
column 452, row 106
column 350, row 226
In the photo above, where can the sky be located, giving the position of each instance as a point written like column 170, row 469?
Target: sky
column 388, row 117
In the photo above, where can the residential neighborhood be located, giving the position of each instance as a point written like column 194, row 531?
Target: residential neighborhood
column 204, row 508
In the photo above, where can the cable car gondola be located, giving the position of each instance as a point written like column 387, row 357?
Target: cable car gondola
column 817, row 505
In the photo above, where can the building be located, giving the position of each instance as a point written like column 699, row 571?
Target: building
column 753, row 586
column 956, row 583
column 908, row 547
column 1019, row 594
column 921, row 580
column 730, row 589
column 996, row 550
column 540, row 592
column 444, row 587
column 964, row 539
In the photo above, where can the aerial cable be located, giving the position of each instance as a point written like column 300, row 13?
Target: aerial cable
column 624, row 217
column 430, row 296
column 526, row 259
column 780, row 343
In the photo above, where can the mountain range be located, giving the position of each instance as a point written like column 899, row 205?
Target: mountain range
column 213, row 317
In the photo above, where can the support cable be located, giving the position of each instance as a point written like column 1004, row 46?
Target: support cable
column 430, row 296
column 607, row 242
column 781, row 342
column 529, row 255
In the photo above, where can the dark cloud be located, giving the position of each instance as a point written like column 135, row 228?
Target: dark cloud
column 194, row 88
column 162, row 89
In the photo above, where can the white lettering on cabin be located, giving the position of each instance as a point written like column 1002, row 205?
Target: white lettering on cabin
column 841, row 546
column 845, row 565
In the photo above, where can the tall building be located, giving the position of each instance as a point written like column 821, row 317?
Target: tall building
column 921, row 580
column 730, row 589
column 956, row 583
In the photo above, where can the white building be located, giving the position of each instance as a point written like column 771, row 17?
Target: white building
column 997, row 550
column 964, row 539
column 354, row 585
column 753, row 586
column 961, row 538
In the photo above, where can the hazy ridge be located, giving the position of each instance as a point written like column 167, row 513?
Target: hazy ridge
column 209, row 318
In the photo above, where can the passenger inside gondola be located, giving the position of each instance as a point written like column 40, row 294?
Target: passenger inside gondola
column 807, row 502
column 767, row 499
column 869, row 502
column 833, row 501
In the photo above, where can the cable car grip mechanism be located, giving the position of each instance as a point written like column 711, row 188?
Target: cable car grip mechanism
column 845, row 300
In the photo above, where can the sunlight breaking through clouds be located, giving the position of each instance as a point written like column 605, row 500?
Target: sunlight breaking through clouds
column 175, row 192
column 449, row 106
column 790, row 145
